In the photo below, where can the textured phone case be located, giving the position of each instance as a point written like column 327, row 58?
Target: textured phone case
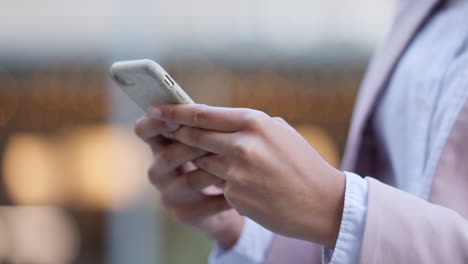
column 147, row 83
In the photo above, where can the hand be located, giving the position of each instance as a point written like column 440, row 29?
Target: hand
column 272, row 174
column 181, row 184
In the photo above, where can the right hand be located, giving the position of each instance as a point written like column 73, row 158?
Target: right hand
column 181, row 184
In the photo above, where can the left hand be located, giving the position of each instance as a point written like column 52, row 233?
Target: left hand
column 272, row 174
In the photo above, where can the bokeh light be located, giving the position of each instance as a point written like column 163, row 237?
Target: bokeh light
column 42, row 235
column 99, row 167
column 31, row 171
column 108, row 164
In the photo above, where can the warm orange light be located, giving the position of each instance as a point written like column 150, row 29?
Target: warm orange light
column 39, row 235
column 31, row 171
column 109, row 166
column 96, row 168
column 321, row 141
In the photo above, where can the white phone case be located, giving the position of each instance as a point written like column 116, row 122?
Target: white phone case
column 147, row 83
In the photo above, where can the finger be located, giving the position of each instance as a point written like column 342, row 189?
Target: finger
column 200, row 209
column 209, row 140
column 147, row 128
column 189, row 186
column 213, row 189
column 165, row 164
column 199, row 180
column 280, row 120
column 222, row 119
column 187, row 167
column 214, row 164
column 176, row 155
column 158, row 143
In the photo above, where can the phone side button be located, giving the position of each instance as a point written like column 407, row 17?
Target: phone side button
column 180, row 96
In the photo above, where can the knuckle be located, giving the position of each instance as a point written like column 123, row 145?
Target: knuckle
column 255, row 120
column 203, row 163
column 146, row 128
column 231, row 196
column 200, row 115
column 167, row 112
column 228, row 191
column 138, row 128
column 232, row 174
column 241, row 148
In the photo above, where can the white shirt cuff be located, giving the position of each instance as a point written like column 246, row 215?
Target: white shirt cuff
column 349, row 242
column 251, row 247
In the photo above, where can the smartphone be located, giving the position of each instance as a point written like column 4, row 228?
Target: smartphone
column 147, row 83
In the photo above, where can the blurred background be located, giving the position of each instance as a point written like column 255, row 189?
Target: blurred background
column 73, row 184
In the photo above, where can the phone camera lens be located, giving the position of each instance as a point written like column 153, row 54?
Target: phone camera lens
column 120, row 79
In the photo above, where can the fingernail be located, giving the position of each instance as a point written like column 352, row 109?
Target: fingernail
column 155, row 113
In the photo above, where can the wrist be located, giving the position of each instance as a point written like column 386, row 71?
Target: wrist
column 227, row 237
column 323, row 224
column 335, row 205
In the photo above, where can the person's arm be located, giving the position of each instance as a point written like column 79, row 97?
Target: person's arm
column 397, row 228
column 272, row 175
column 401, row 228
column 348, row 244
column 258, row 245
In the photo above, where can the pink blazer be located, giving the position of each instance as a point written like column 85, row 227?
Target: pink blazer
column 401, row 228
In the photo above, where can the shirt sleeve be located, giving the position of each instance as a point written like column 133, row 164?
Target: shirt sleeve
column 349, row 242
column 251, row 247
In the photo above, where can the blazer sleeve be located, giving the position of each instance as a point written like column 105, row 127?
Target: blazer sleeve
column 402, row 228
